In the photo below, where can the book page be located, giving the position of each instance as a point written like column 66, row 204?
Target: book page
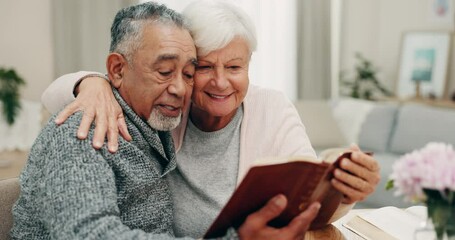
column 278, row 160
column 398, row 223
column 331, row 155
column 366, row 230
column 419, row 211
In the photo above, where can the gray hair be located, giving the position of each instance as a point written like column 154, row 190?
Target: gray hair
column 214, row 24
column 126, row 30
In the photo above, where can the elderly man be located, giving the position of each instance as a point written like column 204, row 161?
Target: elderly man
column 72, row 191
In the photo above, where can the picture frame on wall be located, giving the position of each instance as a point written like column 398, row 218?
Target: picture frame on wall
column 441, row 12
column 424, row 62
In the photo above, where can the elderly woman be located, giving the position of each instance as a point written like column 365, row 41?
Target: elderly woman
column 229, row 123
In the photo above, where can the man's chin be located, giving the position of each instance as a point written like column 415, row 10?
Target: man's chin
column 161, row 122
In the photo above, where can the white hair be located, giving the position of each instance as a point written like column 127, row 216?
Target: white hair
column 214, row 24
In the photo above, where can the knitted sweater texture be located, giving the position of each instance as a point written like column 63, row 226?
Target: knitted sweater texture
column 71, row 191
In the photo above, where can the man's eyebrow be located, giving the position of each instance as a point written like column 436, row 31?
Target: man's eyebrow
column 166, row 57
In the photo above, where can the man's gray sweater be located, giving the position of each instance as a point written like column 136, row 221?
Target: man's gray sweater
column 71, row 191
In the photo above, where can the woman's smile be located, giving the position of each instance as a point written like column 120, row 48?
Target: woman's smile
column 219, row 97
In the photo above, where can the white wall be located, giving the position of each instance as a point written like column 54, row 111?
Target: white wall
column 374, row 28
column 26, row 43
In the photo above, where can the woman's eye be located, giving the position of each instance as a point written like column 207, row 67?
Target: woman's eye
column 234, row 67
column 203, row 67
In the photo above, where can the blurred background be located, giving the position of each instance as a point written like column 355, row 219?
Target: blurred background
column 303, row 44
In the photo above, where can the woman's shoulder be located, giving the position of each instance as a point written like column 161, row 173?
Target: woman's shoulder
column 259, row 91
column 261, row 96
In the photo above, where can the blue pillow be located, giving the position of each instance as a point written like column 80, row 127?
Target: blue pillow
column 419, row 124
column 375, row 132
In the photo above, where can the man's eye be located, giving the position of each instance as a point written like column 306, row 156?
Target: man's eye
column 189, row 79
column 165, row 73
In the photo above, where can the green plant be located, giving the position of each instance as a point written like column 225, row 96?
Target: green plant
column 365, row 81
column 10, row 83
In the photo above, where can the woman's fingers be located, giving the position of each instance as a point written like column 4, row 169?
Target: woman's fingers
column 123, row 128
column 96, row 100
column 69, row 110
column 357, row 177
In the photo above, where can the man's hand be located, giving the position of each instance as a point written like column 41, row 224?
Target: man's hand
column 96, row 100
column 255, row 225
column 357, row 177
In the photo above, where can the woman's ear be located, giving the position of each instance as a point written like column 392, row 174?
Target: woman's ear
column 115, row 65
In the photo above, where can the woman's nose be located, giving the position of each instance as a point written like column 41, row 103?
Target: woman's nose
column 220, row 78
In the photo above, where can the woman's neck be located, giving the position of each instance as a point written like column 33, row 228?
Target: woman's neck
column 208, row 123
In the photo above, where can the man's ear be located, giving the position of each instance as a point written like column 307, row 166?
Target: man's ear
column 115, row 65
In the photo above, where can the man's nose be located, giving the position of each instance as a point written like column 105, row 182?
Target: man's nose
column 177, row 87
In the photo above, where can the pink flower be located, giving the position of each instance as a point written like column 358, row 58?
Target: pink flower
column 432, row 167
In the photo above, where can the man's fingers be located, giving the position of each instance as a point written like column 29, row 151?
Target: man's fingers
column 123, row 128
column 272, row 209
column 300, row 224
column 255, row 226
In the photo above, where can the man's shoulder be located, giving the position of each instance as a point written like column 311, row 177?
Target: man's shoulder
column 72, row 121
column 65, row 134
column 58, row 145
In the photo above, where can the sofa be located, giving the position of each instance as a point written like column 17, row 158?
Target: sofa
column 389, row 129
column 9, row 193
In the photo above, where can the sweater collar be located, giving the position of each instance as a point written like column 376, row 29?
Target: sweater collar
column 161, row 141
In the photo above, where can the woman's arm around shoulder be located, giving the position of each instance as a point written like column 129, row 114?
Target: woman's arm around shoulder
column 61, row 91
column 95, row 100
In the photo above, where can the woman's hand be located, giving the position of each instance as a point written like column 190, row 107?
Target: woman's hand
column 255, row 225
column 357, row 177
column 96, row 100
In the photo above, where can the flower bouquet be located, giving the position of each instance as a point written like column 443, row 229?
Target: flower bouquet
column 428, row 176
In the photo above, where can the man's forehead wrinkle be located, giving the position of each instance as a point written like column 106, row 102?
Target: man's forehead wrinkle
column 184, row 46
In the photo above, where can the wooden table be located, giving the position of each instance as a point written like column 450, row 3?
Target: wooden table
column 336, row 231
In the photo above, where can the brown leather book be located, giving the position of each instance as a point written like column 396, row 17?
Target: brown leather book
column 302, row 180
